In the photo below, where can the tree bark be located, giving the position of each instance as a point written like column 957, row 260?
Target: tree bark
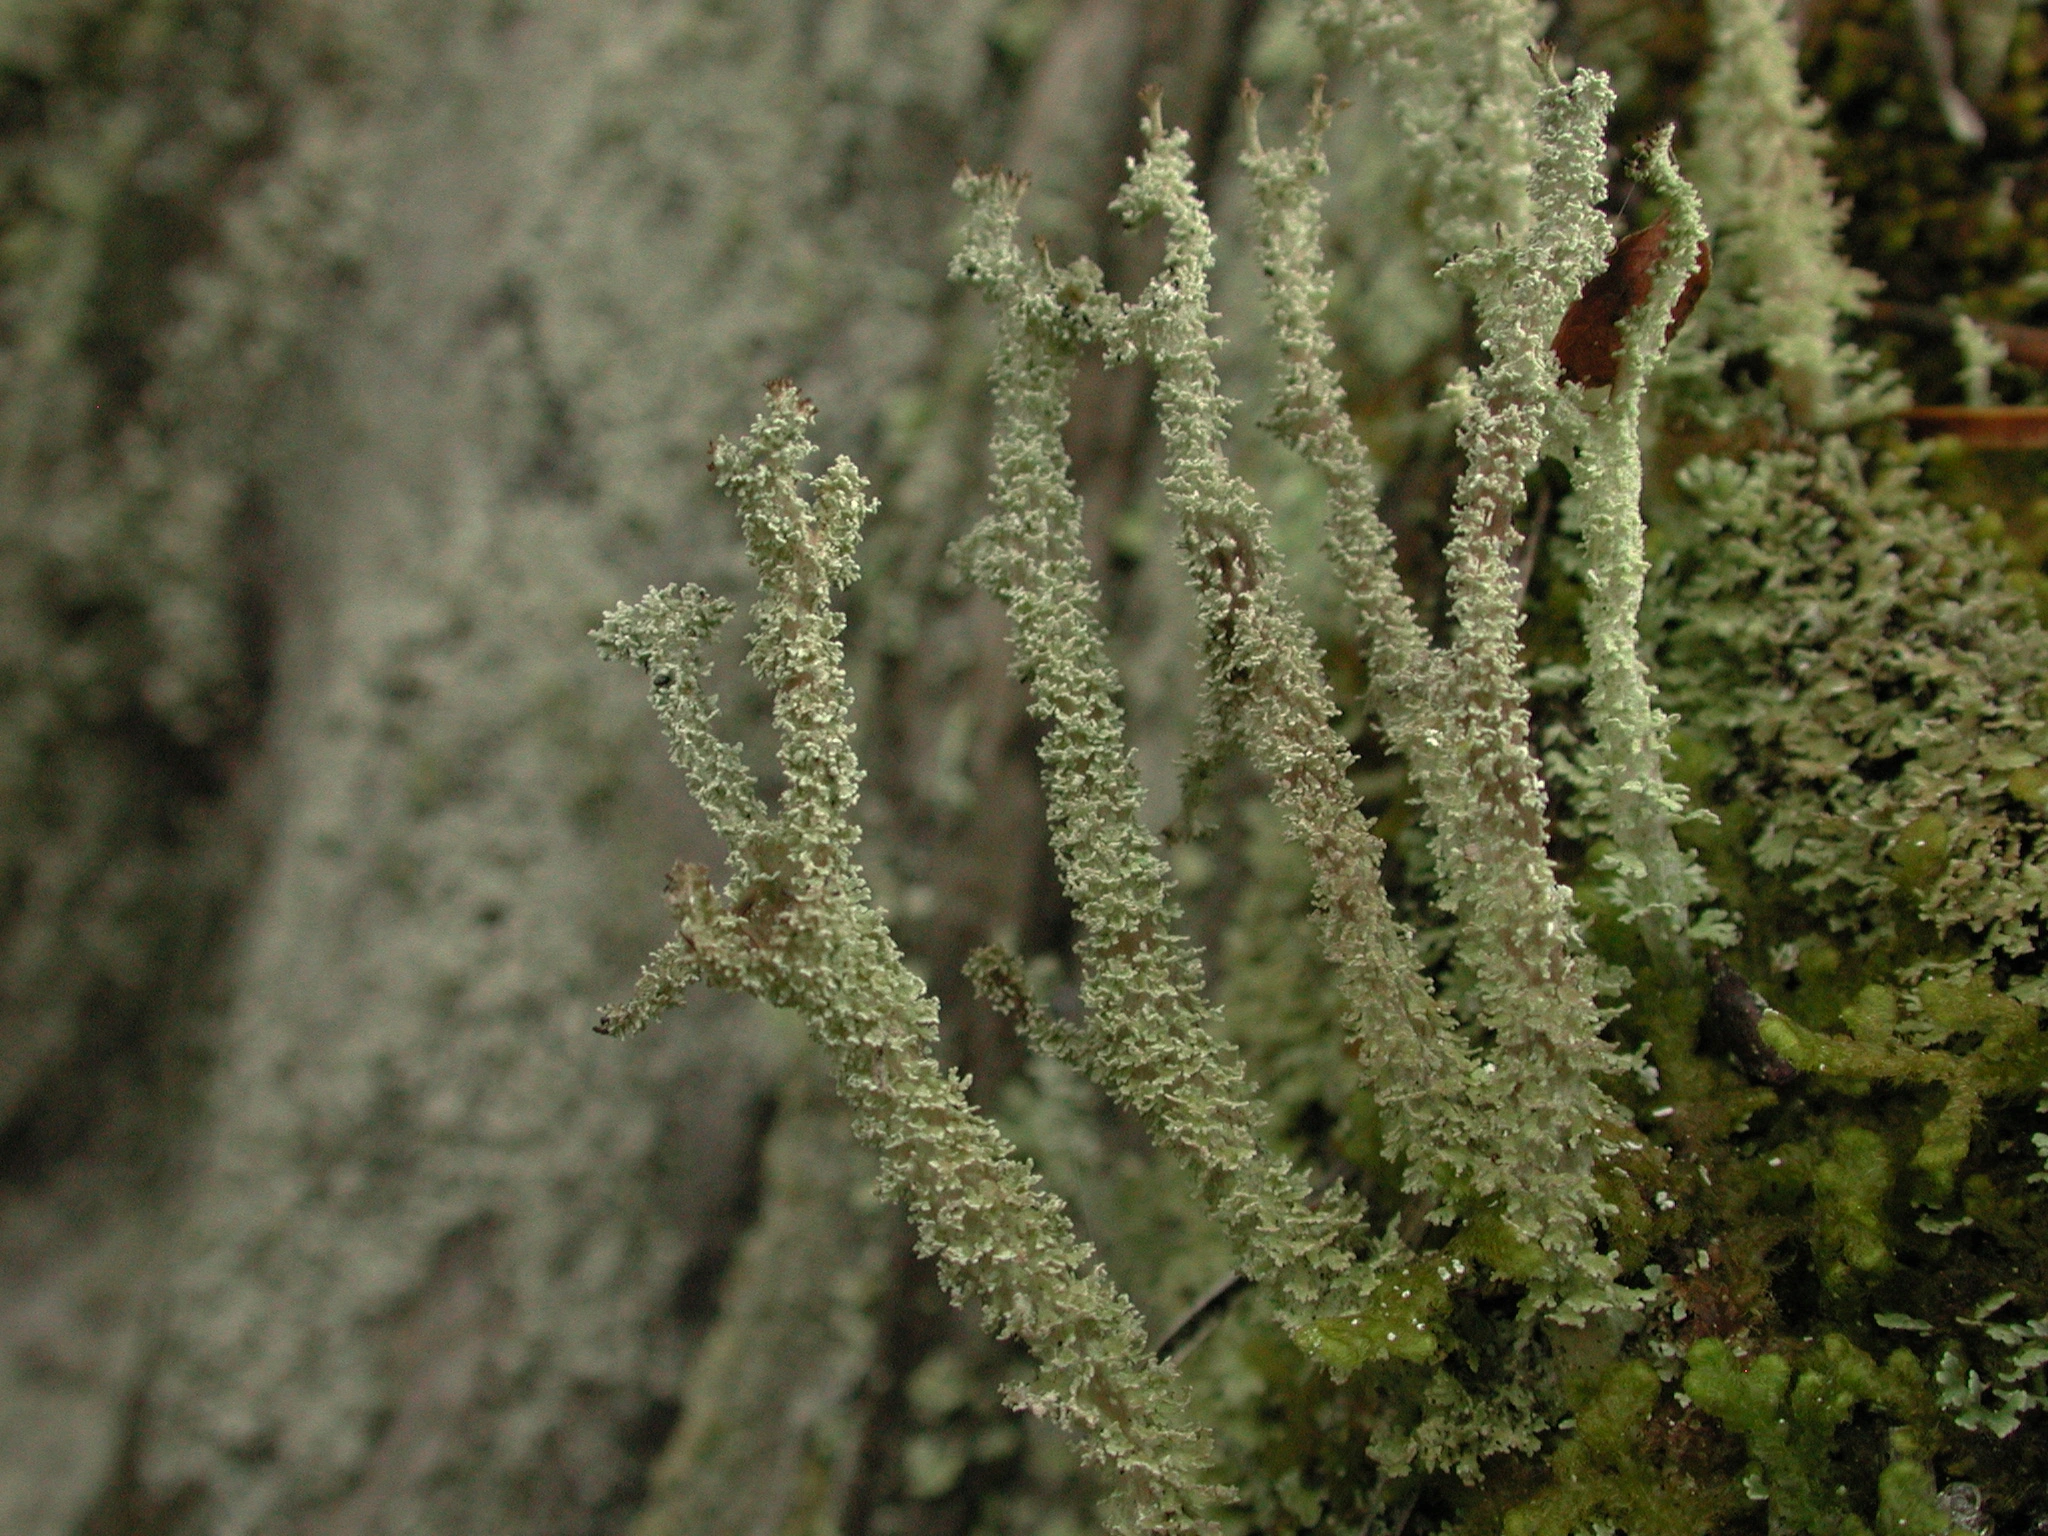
column 345, row 1221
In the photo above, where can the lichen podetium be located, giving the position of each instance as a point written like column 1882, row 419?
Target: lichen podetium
column 1783, row 1253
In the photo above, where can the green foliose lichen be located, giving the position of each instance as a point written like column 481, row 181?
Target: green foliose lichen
column 1869, row 683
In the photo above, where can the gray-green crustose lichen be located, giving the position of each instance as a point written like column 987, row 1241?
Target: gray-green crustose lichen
column 128, row 663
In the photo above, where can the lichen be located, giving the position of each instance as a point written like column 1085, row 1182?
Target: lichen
column 1679, row 1178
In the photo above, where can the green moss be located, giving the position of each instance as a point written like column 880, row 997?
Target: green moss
column 1398, row 1322
column 1601, row 1477
column 1849, row 1187
column 1788, row 1417
column 1906, row 1502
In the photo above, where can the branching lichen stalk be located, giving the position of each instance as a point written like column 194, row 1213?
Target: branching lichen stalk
column 1621, row 791
column 1264, row 684
column 1532, row 1112
column 1152, row 1039
column 1784, row 287
column 795, row 924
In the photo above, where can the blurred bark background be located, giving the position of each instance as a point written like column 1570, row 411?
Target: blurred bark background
column 354, row 355
column 358, row 355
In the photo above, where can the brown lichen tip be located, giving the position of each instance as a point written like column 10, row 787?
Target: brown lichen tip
column 1588, row 342
column 783, row 389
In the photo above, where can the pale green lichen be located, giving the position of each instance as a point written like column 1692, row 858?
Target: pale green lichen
column 1816, row 612
column 1506, row 1144
column 1980, row 352
column 1459, row 715
column 1782, row 287
column 1994, row 1407
column 1404, row 1032
column 1503, row 1142
column 1151, row 1040
column 1888, row 772
column 794, row 924
column 1620, row 790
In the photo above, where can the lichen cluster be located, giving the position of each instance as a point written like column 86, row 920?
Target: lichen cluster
column 1690, row 1182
